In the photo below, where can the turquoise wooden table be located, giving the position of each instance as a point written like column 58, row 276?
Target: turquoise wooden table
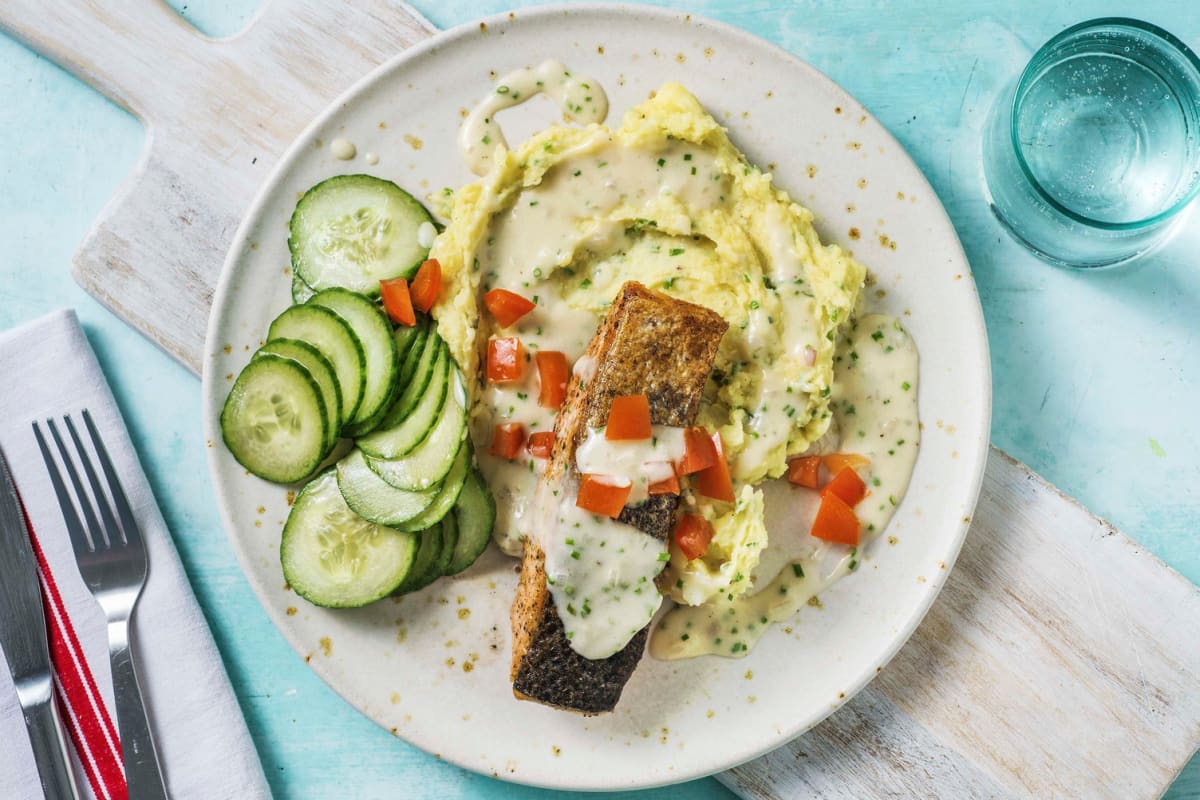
column 1097, row 377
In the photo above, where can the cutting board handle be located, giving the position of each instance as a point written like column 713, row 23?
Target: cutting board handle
column 134, row 51
column 219, row 112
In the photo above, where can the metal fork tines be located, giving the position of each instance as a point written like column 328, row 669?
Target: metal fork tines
column 112, row 562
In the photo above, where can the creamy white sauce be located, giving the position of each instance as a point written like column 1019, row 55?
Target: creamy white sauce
column 732, row 627
column 874, row 403
column 585, row 368
column 601, row 575
column 512, row 482
column 632, row 463
column 581, row 98
column 552, row 326
column 371, row 158
column 426, row 233
column 343, row 149
column 588, row 200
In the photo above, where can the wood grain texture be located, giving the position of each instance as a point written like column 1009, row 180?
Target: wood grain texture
column 1060, row 660
column 218, row 114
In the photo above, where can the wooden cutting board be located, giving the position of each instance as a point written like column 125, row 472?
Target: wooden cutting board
column 1059, row 660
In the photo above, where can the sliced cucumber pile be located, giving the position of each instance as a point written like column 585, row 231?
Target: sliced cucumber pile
column 406, row 505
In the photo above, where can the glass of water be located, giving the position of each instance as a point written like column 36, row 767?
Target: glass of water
column 1092, row 155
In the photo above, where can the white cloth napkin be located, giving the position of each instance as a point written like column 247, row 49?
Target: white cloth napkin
column 47, row 369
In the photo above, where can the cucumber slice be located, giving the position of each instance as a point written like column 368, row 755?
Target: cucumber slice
column 301, row 291
column 447, row 496
column 404, row 337
column 410, row 432
column 336, row 340
column 475, row 513
column 334, row 558
column 321, row 370
column 409, row 342
column 414, row 378
column 404, row 379
column 449, row 542
column 379, row 350
column 421, row 333
column 421, row 376
column 274, row 420
column 428, row 552
column 368, row 496
column 429, row 463
column 353, row 231
column 447, row 536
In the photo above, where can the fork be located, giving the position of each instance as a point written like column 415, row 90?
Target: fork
column 112, row 562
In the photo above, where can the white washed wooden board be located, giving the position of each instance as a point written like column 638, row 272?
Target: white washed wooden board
column 1060, row 659
column 218, row 114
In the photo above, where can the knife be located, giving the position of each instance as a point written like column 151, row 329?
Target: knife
column 23, row 640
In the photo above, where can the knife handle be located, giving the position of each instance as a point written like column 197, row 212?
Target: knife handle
column 49, row 746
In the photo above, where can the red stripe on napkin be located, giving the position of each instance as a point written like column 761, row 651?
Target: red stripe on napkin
column 88, row 723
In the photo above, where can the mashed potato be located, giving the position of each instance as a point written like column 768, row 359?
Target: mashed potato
column 667, row 200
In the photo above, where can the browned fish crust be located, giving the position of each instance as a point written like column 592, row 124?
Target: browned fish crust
column 648, row 344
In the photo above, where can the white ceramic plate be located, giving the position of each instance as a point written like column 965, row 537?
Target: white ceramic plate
column 433, row 668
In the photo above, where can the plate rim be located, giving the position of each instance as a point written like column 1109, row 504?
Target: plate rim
column 944, row 226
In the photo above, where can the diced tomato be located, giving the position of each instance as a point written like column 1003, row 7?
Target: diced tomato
column 836, row 521
column 846, row 485
column 540, row 444
column 836, row 462
column 602, row 498
column 698, row 453
column 507, row 438
column 629, row 418
column 667, row 486
column 505, row 360
column 714, row 481
column 507, row 307
column 397, row 301
column 427, row 285
column 552, row 378
column 693, row 533
column 804, row 471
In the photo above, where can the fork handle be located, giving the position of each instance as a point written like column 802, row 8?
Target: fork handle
column 50, row 749
column 142, row 772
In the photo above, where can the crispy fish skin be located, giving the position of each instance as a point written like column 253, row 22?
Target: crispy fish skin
column 649, row 344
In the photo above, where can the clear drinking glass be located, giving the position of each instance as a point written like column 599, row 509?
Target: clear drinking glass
column 1091, row 155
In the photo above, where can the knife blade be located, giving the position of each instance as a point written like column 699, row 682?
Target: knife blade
column 23, row 642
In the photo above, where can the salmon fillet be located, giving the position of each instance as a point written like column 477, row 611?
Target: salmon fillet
column 648, row 344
